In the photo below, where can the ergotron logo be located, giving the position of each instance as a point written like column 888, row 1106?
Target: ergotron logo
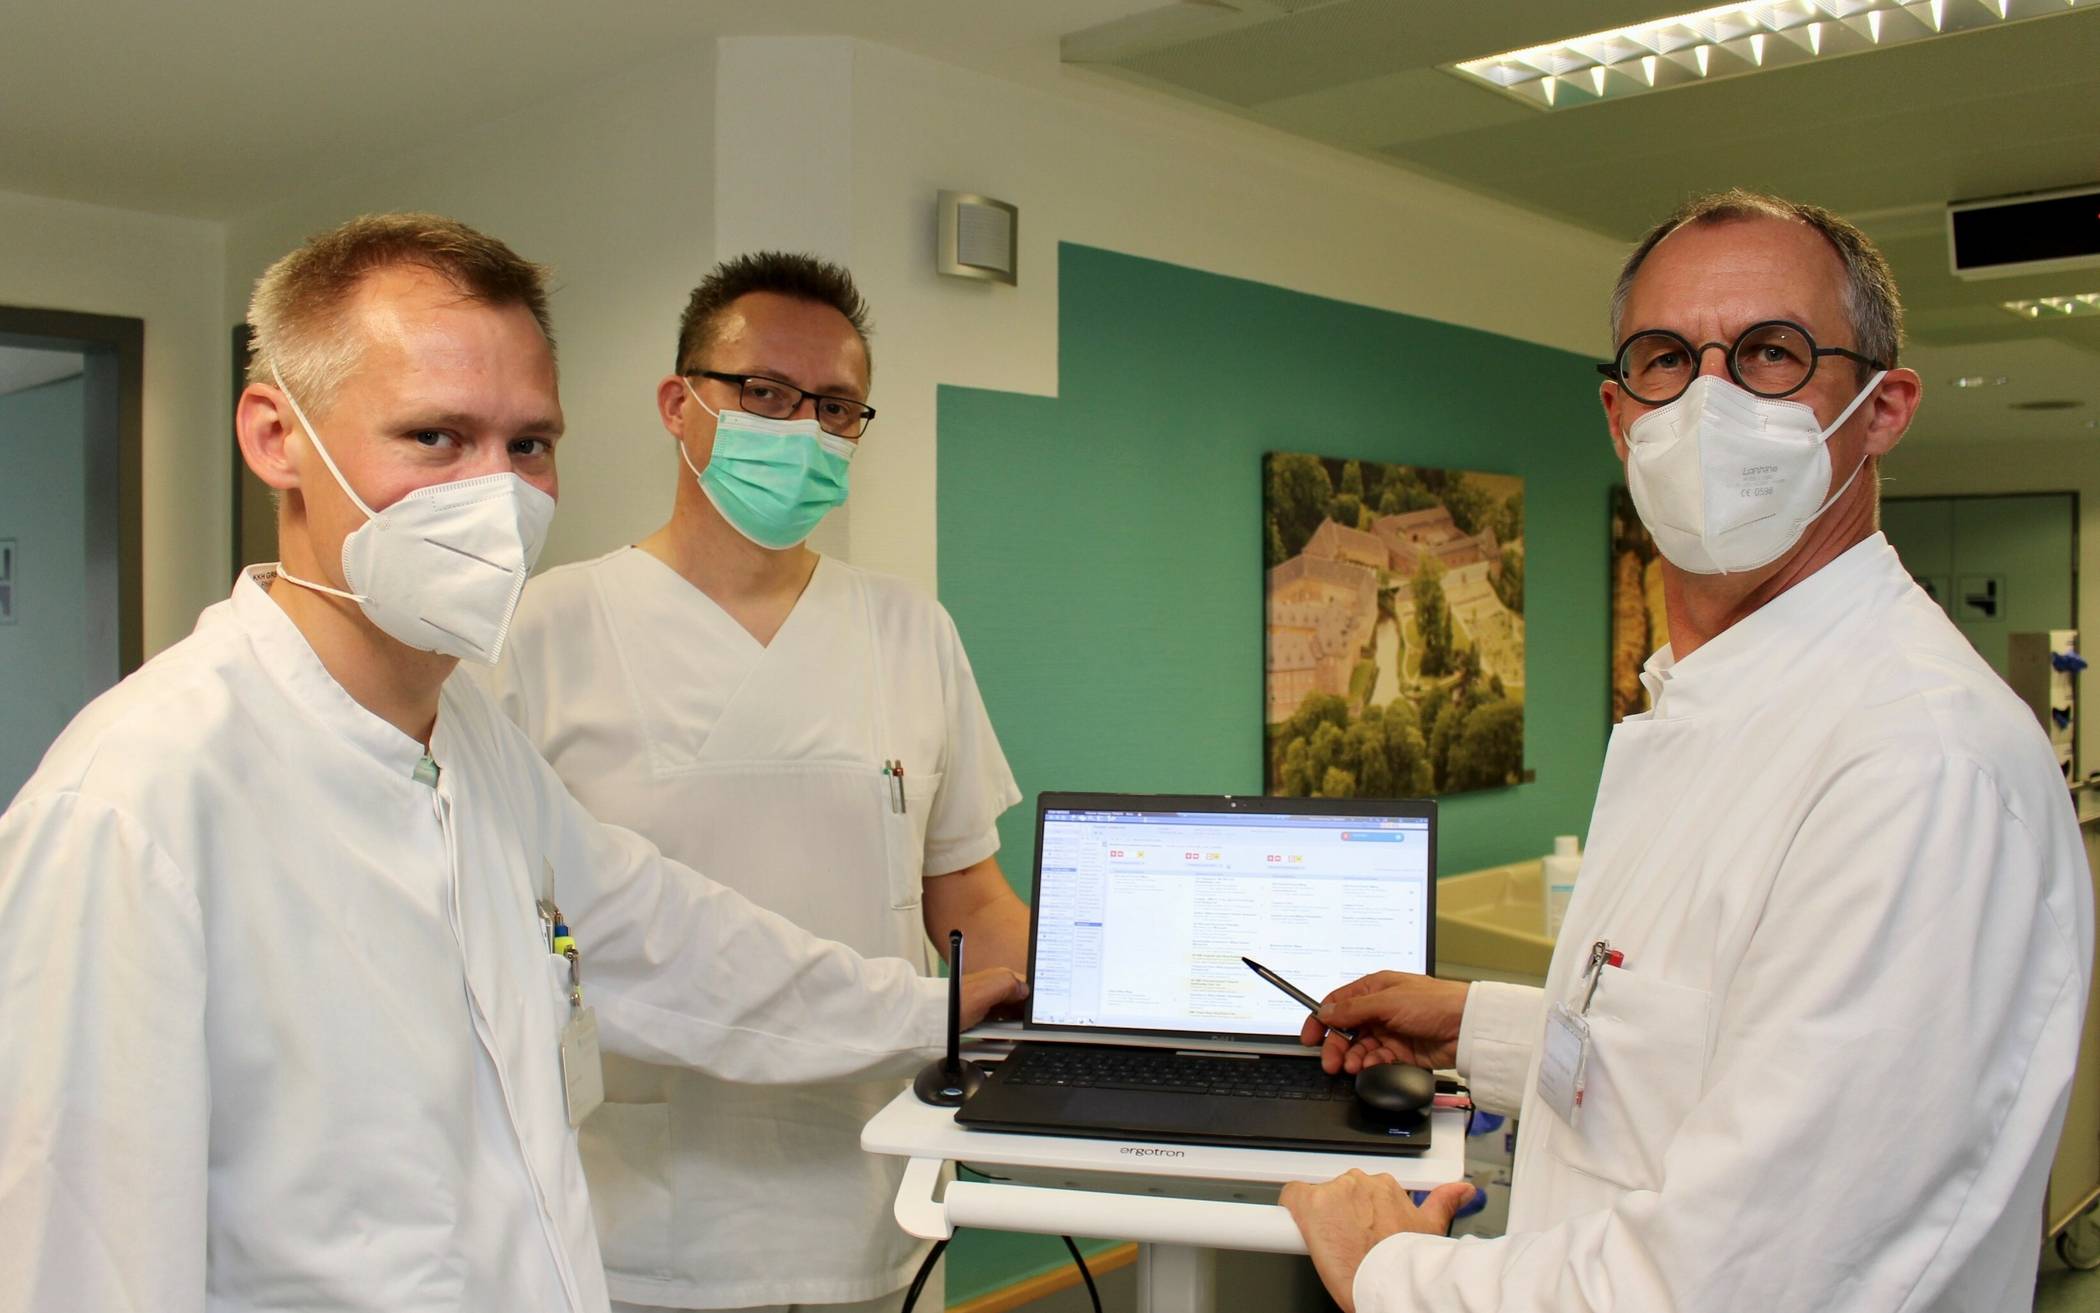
column 1133, row 1151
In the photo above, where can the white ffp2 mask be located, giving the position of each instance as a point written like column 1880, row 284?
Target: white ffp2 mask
column 1727, row 481
column 441, row 569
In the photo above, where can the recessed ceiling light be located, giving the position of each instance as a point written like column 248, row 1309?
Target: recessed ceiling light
column 2056, row 307
column 1707, row 45
column 1980, row 381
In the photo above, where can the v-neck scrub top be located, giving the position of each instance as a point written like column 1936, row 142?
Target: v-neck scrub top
column 762, row 765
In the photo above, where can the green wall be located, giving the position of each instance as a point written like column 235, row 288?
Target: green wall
column 1101, row 550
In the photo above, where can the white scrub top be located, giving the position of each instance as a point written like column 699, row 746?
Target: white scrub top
column 1844, row 872
column 761, row 763
column 280, row 1022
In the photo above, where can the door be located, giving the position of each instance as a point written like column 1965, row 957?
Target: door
column 69, row 598
column 1998, row 565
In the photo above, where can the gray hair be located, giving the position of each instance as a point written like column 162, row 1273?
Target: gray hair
column 1871, row 302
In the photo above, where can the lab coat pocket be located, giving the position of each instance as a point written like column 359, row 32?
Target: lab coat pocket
column 905, row 838
column 626, row 1151
column 1646, row 1065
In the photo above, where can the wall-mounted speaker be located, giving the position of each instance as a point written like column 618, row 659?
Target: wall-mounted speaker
column 978, row 238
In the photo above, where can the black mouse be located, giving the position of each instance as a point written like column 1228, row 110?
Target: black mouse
column 1393, row 1090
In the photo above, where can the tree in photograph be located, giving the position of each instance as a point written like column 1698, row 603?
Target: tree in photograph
column 1406, row 754
column 1323, row 751
column 1405, row 491
column 1346, row 509
column 1432, row 618
column 1294, row 780
column 1352, row 480
column 1509, row 521
column 1299, row 494
column 1374, row 482
column 1337, row 783
column 1509, row 585
column 1450, row 723
column 1488, row 749
column 1364, row 748
column 1272, row 551
column 1432, row 706
column 1468, row 503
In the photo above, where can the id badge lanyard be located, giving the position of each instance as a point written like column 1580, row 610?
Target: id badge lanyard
column 582, row 1070
column 1564, row 1060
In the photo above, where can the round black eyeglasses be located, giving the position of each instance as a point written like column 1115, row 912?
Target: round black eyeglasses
column 1771, row 359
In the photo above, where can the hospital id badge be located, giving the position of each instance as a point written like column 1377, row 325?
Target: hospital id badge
column 582, row 1074
column 1562, row 1062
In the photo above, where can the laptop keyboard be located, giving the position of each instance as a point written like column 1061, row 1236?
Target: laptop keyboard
column 1172, row 1072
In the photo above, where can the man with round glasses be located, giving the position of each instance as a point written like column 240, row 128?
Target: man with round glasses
column 1808, row 1035
column 794, row 725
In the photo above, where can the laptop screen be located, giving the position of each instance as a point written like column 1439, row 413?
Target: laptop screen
column 1144, row 908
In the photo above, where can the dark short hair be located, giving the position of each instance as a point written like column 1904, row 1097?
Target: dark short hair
column 1869, row 293
column 784, row 273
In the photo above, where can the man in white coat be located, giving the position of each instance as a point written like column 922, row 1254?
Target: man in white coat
column 1808, row 1034
column 805, row 731
column 290, row 1012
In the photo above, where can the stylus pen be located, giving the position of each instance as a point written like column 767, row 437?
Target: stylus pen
column 1305, row 1000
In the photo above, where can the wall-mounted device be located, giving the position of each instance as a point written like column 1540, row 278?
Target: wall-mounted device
column 979, row 238
column 2038, row 233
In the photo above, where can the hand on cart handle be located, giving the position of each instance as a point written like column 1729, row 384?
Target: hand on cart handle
column 1345, row 1218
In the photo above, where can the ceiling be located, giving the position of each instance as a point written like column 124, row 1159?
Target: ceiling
column 203, row 110
column 24, row 367
column 200, row 109
column 1886, row 138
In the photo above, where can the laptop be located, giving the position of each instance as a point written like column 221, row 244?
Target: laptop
column 1143, row 1023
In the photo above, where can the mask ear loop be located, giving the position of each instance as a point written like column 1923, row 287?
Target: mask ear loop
column 683, row 454
column 1837, row 424
column 314, row 437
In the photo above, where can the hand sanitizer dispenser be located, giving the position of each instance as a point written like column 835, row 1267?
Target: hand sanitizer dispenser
column 1560, row 868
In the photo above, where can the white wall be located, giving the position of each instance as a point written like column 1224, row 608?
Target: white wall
column 2068, row 465
column 614, row 187
column 1107, row 166
column 60, row 255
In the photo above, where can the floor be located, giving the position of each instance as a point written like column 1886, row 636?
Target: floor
column 1277, row 1283
column 2060, row 1290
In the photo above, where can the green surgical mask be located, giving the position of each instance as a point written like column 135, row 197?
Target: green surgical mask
column 772, row 479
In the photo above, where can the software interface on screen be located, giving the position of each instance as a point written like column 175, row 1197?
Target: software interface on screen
column 1142, row 917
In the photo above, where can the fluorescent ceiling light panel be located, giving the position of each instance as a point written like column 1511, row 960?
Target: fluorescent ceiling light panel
column 2056, row 307
column 1728, row 41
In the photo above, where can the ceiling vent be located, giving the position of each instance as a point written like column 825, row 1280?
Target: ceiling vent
column 2039, row 233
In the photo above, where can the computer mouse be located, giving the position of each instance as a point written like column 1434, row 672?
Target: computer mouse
column 1394, row 1089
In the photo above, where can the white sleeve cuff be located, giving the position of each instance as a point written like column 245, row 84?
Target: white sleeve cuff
column 1386, row 1277
column 1496, row 1037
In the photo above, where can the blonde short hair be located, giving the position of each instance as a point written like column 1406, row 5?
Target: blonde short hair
column 298, row 314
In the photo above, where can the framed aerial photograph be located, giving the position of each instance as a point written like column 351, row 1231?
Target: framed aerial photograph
column 1637, row 624
column 1394, row 628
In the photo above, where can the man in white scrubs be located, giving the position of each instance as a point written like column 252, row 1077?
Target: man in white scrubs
column 288, row 1012
column 806, row 731
column 1808, row 1034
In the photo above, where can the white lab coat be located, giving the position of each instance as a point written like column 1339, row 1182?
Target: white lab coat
column 280, row 1023
column 762, row 764
column 1845, row 874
